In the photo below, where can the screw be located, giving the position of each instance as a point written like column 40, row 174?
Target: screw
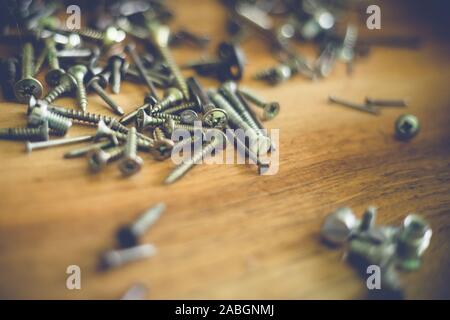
column 137, row 291
column 8, row 76
column 40, row 60
column 143, row 120
column 406, row 126
column 212, row 116
column 171, row 97
column 170, row 126
column 129, row 235
column 118, row 66
column 98, row 83
column 356, row 106
column 30, row 146
column 108, row 37
column 385, row 102
column 181, row 107
column 218, row 140
column 41, row 114
column 189, row 117
column 149, row 102
column 66, row 83
column 104, row 131
column 79, row 72
column 131, row 50
column 271, row 109
column 85, row 150
column 162, row 146
column 160, row 35
column 117, row 258
column 275, row 75
column 99, row 158
column 131, row 162
column 54, row 74
column 32, row 134
column 338, row 226
column 27, row 86
column 78, row 53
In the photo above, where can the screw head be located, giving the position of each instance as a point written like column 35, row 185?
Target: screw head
column 174, row 94
column 162, row 149
column 406, row 127
column 130, row 165
column 44, row 131
column 25, row 88
column 53, row 76
column 37, row 116
column 160, row 34
column 97, row 160
column 216, row 118
column 189, row 116
column 271, row 110
column 338, row 226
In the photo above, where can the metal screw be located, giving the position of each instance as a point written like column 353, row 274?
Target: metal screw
column 160, row 37
column 27, row 86
column 42, row 57
column 162, row 148
column 137, row 291
column 117, row 258
column 275, row 75
column 86, row 149
column 386, row 102
column 66, row 83
column 219, row 139
column 118, row 66
column 338, row 226
column 129, row 235
column 79, row 72
column 356, row 106
column 41, row 114
column 271, row 109
column 143, row 120
column 406, row 126
column 32, row 134
column 131, row 162
column 104, row 131
column 131, row 50
column 98, row 83
column 99, row 158
column 149, row 102
column 110, row 36
column 189, row 117
column 171, row 97
column 54, row 74
column 9, row 76
column 30, row 146
column 181, row 107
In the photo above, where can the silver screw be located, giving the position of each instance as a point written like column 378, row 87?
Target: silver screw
column 66, row 83
column 386, row 102
column 32, row 134
column 108, row 37
column 162, row 148
column 118, row 65
column 41, row 114
column 143, row 120
column 407, row 126
column 131, row 162
column 160, row 35
column 54, row 74
column 219, row 140
column 271, row 109
column 79, row 72
column 27, row 86
column 99, row 158
column 129, row 235
column 30, row 146
column 171, row 97
column 356, row 106
column 86, row 149
column 98, row 83
column 104, row 131
column 131, row 50
column 117, row 258
column 149, row 102
column 338, row 226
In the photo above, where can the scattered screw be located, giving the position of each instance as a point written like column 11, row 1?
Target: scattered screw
column 99, row 158
column 131, row 162
column 356, row 106
column 98, row 83
column 54, row 74
column 131, row 50
column 172, row 96
column 117, row 258
column 27, row 86
column 78, row 72
column 66, row 84
column 30, row 146
column 406, row 127
column 271, row 109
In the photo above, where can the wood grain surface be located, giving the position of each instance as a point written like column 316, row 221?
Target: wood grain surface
column 227, row 232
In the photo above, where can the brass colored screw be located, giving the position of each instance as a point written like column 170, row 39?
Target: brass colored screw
column 218, row 140
column 54, row 74
column 78, row 72
column 160, row 35
column 27, row 86
column 406, row 126
column 131, row 162
column 271, row 109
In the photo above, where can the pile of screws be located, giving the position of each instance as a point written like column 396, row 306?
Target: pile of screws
column 89, row 60
column 388, row 247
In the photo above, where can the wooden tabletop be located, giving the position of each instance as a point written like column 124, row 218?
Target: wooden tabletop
column 228, row 232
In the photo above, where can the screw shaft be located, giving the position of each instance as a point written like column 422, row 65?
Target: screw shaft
column 99, row 90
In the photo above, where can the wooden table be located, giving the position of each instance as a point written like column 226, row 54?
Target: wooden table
column 227, row 232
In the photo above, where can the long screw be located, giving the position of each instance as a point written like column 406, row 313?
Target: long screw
column 160, row 35
column 31, row 134
column 66, row 83
column 98, row 83
column 130, row 234
column 219, row 139
column 30, row 146
column 149, row 102
column 386, row 102
column 40, row 60
column 55, row 121
column 79, row 72
column 99, row 158
column 271, row 109
column 172, row 96
column 181, row 107
column 117, row 258
column 118, row 66
column 27, row 86
column 86, row 149
column 54, row 74
column 356, row 106
column 104, row 130
column 131, row 162
column 131, row 50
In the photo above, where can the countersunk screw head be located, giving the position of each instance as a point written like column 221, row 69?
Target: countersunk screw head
column 338, row 226
column 27, row 87
column 406, row 127
column 271, row 110
column 162, row 149
column 53, row 76
column 130, row 165
column 97, row 160
column 78, row 71
column 216, row 118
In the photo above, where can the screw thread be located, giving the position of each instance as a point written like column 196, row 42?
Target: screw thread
column 233, row 116
column 240, row 108
column 58, row 122
column 89, row 33
column 99, row 90
column 179, row 79
column 116, row 76
column 252, row 97
column 27, row 60
column 130, row 149
column 158, row 134
column 21, row 133
column 163, row 115
column 52, row 56
column 57, row 91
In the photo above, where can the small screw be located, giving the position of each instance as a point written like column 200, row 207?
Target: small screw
column 41, row 114
column 27, row 86
column 98, row 83
column 406, row 127
column 143, row 120
column 338, row 226
column 271, row 109
column 131, row 50
column 131, row 162
column 171, row 97
column 99, row 158
column 149, row 102
column 356, row 106
column 162, row 146
column 117, row 258
column 219, row 140
column 275, row 75
column 129, row 235
column 32, row 134
column 54, row 74
column 78, row 72
column 30, row 146
column 66, row 84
